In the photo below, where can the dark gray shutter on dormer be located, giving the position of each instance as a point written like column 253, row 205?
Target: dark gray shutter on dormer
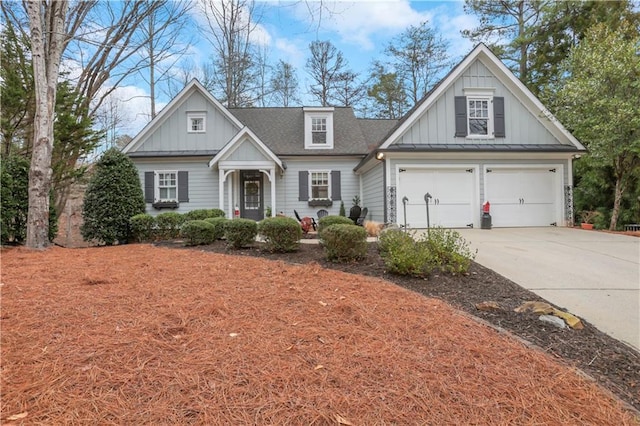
column 149, row 186
column 498, row 117
column 183, row 187
column 335, row 185
column 460, row 104
column 303, row 185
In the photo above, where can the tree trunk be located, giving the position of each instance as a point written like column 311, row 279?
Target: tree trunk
column 617, row 199
column 47, row 43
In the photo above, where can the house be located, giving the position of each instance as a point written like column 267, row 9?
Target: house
column 479, row 135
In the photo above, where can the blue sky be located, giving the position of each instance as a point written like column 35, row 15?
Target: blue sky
column 360, row 29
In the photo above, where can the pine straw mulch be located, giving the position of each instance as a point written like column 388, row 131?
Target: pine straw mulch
column 140, row 334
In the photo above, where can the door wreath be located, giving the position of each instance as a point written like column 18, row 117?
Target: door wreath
column 251, row 188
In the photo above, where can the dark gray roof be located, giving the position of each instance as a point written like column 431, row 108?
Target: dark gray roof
column 375, row 130
column 282, row 130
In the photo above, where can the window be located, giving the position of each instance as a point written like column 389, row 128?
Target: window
column 319, row 185
column 167, row 186
column 318, row 131
column 318, row 127
column 196, row 122
column 478, row 116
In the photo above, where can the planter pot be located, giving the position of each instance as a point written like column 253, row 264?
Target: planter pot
column 586, row 225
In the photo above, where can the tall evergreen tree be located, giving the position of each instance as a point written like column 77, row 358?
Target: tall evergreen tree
column 387, row 93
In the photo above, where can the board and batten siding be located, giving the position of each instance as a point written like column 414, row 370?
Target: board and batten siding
column 288, row 185
column 203, row 182
column 564, row 163
column 437, row 124
column 246, row 151
column 373, row 193
column 172, row 135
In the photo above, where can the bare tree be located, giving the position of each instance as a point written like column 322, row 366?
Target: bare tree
column 284, row 84
column 263, row 71
column 418, row 55
column 349, row 91
column 163, row 48
column 46, row 23
column 229, row 27
column 325, row 66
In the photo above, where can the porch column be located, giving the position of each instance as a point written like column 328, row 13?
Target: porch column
column 272, row 178
column 221, row 178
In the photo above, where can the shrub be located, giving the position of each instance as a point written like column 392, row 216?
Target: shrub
column 240, row 232
column 215, row 213
column 402, row 255
column 202, row 214
column 342, row 212
column 281, row 234
column 113, row 197
column 218, row 224
column 169, row 224
column 327, row 221
column 198, row 232
column 142, row 227
column 448, row 251
column 344, row 242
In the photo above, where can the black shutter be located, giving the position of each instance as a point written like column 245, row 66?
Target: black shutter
column 498, row 117
column 460, row 104
column 335, row 185
column 149, row 187
column 183, row 187
column 303, row 186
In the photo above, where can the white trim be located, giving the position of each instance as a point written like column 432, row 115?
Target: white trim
column 235, row 142
column 192, row 115
column 246, row 165
column 326, row 114
column 490, row 132
column 194, row 85
column 329, row 189
column 521, row 92
column 156, row 185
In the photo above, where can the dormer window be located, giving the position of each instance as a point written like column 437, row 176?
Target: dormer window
column 196, row 122
column 478, row 109
column 479, row 114
column 318, row 128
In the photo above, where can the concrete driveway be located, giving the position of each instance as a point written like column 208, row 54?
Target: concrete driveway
column 594, row 275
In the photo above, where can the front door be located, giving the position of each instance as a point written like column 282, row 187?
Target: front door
column 251, row 196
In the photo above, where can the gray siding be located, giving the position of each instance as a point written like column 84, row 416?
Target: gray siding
column 247, row 151
column 171, row 134
column 373, row 193
column 203, row 182
column 287, row 189
column 437, row 124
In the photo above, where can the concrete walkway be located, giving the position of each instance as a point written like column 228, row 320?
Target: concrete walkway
column 594, row 275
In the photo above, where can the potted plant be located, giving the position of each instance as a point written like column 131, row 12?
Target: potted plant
column 587, row 217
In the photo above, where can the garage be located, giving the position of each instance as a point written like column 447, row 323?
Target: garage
column 454, row 196
column 524, row 195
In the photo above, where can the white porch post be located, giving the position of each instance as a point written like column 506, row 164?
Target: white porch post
column 230, row 185
column 221, row 178
column 272, row 178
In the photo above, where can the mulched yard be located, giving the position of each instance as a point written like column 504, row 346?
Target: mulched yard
column 165, row 335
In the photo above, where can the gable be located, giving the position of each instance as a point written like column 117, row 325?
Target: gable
column 246, row 151
column 169, row 132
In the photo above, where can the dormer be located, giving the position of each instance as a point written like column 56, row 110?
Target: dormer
column 318, row 127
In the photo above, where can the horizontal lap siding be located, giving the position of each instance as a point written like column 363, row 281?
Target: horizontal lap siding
column 287, row 189
column 203, row 182
column 373, row 193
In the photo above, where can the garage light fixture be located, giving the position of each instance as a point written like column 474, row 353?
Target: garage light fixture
column 379, row 155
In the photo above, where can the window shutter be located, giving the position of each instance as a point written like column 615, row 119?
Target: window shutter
column 303, row 185
column 498, row 117
column 335, row 185
column 183, row 187
column 149, row 187
column 460, row 104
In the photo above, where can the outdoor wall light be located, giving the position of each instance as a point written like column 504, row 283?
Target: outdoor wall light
column 576, row 156
column 379, row 155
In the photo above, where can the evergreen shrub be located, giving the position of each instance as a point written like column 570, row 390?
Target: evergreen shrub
column 198, row 232
column 281, row 234
column 327, row 221
column 218, row 224
column 168, row 224
column 240, row 232
column 344, row 242
column 143, row 227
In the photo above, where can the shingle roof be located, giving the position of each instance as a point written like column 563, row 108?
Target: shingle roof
column 375, row 130
column 282, row 130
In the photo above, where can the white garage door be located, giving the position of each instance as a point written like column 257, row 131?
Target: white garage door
column 453, row 192
column 523, row 196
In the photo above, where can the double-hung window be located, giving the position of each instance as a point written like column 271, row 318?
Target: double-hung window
column 319, row 185
column 478, row 113
column 318, row 131
column 167, row 186
column 196, row 122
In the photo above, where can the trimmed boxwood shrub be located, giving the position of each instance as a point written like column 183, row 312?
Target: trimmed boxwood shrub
column 198, row 232
column 218, row 223
column 169, row 224
column 344, row 242
column 202, row 214
column 216, row 213
column 327, row 221
column 281, row 234
column 240, row 232
column 142, row 227
column 113, row 197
